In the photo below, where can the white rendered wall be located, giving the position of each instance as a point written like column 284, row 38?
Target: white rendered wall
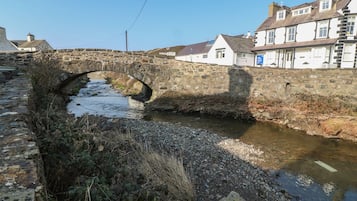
column 229, row 57
column 198, row 58
column 260, row 38
column 334, row 28
column 348, row 64
column 245, row 59
column 280, row 35
column 302, row 58
column 305, row 32
column 353, row 6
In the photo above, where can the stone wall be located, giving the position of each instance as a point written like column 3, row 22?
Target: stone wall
column 168, row 75
column 16, row 59
column 21, row 168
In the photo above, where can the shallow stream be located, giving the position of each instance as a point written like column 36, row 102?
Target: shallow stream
column 309, row 167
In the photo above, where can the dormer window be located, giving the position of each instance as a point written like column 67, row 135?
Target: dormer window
column 325, row 5
column 301, row 11
column 281, row 15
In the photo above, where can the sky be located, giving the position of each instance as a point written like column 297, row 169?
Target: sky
column 67, row 24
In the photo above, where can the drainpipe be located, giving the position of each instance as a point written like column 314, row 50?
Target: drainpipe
column 293, row 60
column 278, row 58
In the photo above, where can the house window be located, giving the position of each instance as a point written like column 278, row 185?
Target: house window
column 271, row 36
column 322, row 28
column 348, row 52
column 280, row 15
column 350, row 25
column 291, row 34
column 325, row 5
column 220, row 53
column 301, row 11
column 204, row 56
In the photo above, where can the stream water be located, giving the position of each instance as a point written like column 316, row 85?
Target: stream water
column 309, row 167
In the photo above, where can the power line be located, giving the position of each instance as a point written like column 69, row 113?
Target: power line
column 137, row 17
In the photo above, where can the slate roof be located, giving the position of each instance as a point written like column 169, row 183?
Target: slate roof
column 28, row 44
column 239, row 43
column 197, row 48
column 271, row 22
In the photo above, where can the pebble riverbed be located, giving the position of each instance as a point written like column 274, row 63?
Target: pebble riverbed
column 217, row 165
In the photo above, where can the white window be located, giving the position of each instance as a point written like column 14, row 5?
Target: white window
column 350, row 25
column 322, row 29
column 281, row 15
column 204, row 56
column 348, row 52
column 302, row 11
column 325, row 5
column 291, row 34
column 220, row 53
column 271, row 36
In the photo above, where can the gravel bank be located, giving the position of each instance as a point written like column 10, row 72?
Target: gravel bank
column 217, row 165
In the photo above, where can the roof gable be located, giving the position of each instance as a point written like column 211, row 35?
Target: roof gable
column 315, row 15
column 239, row 43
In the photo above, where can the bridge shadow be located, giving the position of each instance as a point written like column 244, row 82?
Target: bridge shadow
column 232, row 103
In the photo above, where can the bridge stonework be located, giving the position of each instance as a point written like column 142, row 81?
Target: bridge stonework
column 168, row 75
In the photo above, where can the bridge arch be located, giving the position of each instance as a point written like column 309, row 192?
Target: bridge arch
column 163, row 76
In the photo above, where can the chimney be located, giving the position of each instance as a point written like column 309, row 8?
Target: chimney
column 248, row 34
column 273, row 8
column 30, row 37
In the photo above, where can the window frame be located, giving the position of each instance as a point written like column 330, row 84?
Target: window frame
column 271, row 38
column 350, row 25
column 325, row 5
column 322, row 27
column 220, row 53
column 301, row 11
column 348, row 56
column 280, row 15
column 291, row 37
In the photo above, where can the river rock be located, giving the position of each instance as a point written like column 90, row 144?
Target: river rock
column 233, row 196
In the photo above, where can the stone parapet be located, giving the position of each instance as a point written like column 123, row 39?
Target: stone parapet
column 20, row 160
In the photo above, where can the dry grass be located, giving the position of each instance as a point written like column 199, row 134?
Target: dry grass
column 161, row 170
column 86, row 160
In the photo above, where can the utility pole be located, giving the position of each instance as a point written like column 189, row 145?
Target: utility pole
column 126, row 39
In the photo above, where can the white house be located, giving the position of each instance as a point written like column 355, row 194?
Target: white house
column 5, row 45
column 320, row 34
column 231, row 50
column 195, row 52
column 224, row 50
column 31, row 44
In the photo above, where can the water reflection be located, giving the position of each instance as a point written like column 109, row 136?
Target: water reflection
column 291, row 153
column 99, row 98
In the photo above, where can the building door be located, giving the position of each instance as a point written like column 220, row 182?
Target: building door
column 288, row 59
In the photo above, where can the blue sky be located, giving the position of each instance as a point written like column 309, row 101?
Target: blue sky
column 102, row 23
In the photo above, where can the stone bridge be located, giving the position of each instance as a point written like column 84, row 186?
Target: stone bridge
column 163, row 75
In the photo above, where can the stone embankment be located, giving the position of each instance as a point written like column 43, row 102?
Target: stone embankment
column 20, row 163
